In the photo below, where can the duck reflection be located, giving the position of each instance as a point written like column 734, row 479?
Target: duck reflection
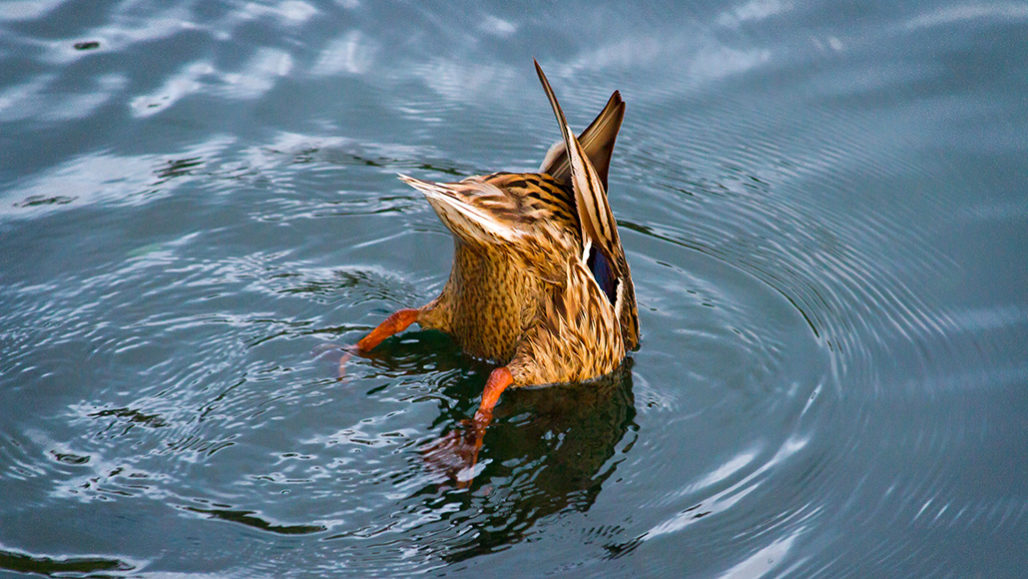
column 562, row 436
column 549, row 449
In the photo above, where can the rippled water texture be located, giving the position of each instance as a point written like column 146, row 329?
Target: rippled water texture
column 824, row 207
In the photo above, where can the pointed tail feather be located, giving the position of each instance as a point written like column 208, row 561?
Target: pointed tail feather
column 604, row 255
column 594, row 212
column 597, row 140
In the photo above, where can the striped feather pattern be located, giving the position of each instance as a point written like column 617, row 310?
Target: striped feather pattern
column 597, row 140
column 594, row 212
column 599, row 229
column 539, row 279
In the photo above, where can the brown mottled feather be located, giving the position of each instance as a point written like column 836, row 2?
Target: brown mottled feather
column 599, row 229
column 520, row 291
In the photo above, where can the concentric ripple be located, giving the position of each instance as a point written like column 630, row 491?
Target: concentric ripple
column 824, row 211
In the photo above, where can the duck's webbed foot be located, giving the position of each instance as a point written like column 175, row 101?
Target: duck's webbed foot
column 456, row 453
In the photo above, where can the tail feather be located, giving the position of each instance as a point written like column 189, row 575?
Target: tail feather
column 595, row 216
column 603, row 254
column 597, row 141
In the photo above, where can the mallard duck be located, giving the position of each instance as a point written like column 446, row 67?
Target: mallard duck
column 539, row 282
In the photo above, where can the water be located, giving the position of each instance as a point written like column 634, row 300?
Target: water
column 825, row 211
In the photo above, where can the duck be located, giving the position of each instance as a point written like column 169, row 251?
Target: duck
column 539, row 283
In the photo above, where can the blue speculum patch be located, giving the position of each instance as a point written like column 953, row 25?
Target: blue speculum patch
column 603, row 271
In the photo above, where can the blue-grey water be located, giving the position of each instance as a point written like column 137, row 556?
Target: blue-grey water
column 824, row 204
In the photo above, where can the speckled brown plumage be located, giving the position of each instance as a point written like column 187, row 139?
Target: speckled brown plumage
column 530, row 303
column 539, row 281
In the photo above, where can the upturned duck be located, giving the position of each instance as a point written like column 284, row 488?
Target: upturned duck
column 539, row 282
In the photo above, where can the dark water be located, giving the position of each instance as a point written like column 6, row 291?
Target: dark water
column 824, row 206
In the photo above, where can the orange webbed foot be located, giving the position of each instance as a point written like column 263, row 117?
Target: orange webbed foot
column 331, row 350
column 456, row 453
column 343, row 360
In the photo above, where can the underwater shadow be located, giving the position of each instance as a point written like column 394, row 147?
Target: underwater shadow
column 549, row 450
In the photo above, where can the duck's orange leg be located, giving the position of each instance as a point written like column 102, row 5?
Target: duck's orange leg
column 394, row 324
column 498, row 381
column 457, row 452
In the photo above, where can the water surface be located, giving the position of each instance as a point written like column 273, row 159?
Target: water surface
column 825, row 211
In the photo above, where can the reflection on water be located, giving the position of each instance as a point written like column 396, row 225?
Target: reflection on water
column 824, row 212
column 25, row 563
column 549, row 451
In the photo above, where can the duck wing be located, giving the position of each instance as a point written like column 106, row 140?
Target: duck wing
column 474, row 210
column 602, row 253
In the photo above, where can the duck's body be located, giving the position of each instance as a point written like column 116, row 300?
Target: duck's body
column 518, row 293
column 494, row 295
column 539, row 280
